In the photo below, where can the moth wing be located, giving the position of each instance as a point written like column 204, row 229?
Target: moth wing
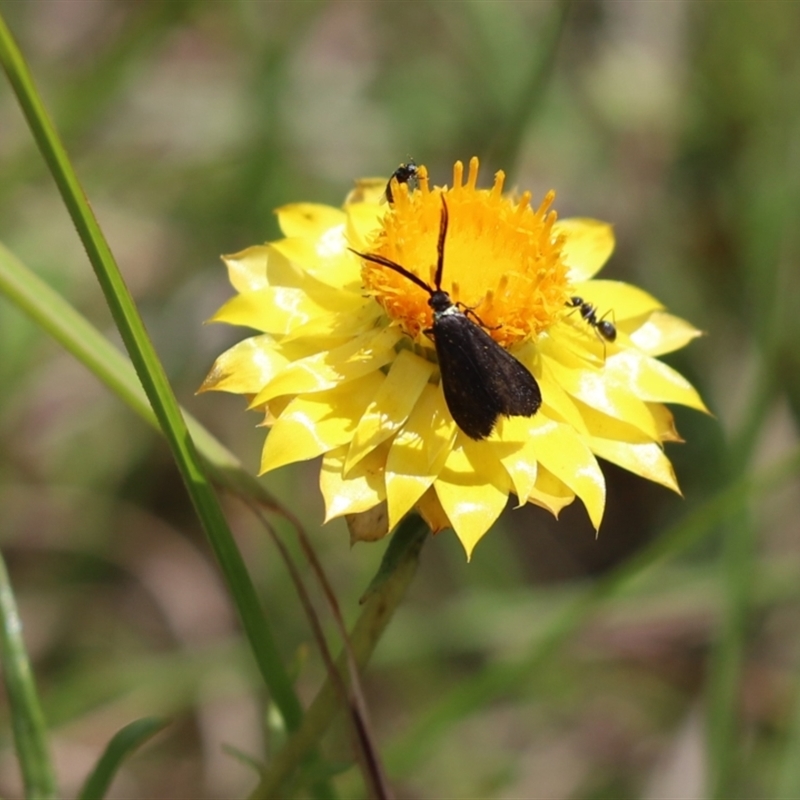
column 512, row 382
column 480, row 379
column 464, row 361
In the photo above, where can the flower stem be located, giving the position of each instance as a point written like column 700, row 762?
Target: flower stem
column 385, row 593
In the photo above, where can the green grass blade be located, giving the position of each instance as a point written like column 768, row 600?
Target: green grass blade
column 788, row 772
column 728, row 656
column 80, row 338
column 154, row 381
column 48, row 309
column 726, row 754
column 30, row 730
column 122, row 744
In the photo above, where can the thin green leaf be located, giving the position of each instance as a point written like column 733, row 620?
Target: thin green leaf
column 788, row 772
column 79, row 337
column 738, row 542
column 30, row 730
column 122, row 744
column 154, row 381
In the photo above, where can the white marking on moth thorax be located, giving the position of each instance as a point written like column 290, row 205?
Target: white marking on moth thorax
column 450, row 311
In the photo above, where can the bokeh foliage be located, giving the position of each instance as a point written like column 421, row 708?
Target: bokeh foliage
column 535, row 670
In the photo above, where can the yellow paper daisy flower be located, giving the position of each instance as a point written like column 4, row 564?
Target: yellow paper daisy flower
column 345, row 367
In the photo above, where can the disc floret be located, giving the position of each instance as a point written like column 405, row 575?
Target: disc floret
column 502, row 259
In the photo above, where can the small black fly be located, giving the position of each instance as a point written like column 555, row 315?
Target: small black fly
column 606, row 329
column 480, row 379
column 405, row 173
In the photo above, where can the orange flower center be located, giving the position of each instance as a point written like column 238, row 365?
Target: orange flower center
column 501, row 258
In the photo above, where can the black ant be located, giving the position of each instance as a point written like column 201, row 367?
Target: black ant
column 604, row 328
column 405, row 173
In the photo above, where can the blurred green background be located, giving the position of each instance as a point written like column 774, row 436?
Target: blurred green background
column 188, row 122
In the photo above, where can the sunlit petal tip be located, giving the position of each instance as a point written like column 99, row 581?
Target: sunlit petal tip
column 247, row 269
column 358, row 492
column 660, row 332
column 430, row 509
column 311, row 220
column 345, row 367
column 587, row 245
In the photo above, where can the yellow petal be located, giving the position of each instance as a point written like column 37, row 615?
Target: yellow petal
column 577, row 344
column 363, row 221
column 570, row 343
column 418, row 452
column 587, row 246
column 618, row 300
column 398, row 395
column 363, row 354
column 556, row 403
column 601, row 425
column 273, row 309
column 339, row 324
column 430, row 509
column 516, row 452
column 561, row 451
column 314, row 424
column 646, row 460
column 326, row 259
column 246, row 367
column 663, row 333
column 550, row 493
column 367, row 190
column 605, row 392
column 473, row 489
column 247, row 270
column 296, row 349
column 665, row 422
column 261, row 266
column 308, row 219
column 363, row 487
column 652, row 380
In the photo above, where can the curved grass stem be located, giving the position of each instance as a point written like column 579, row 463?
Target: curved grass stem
column 154, row 381
column 27, row 719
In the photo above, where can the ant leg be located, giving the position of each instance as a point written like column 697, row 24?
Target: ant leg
column 602, row 341
column 574, row 304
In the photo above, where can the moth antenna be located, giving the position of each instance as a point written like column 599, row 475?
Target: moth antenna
column 440, row 247
column 393, row 265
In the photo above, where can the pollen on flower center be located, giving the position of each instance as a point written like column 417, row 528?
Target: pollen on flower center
column 501, row 258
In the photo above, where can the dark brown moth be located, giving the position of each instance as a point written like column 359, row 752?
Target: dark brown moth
column 481, row 380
